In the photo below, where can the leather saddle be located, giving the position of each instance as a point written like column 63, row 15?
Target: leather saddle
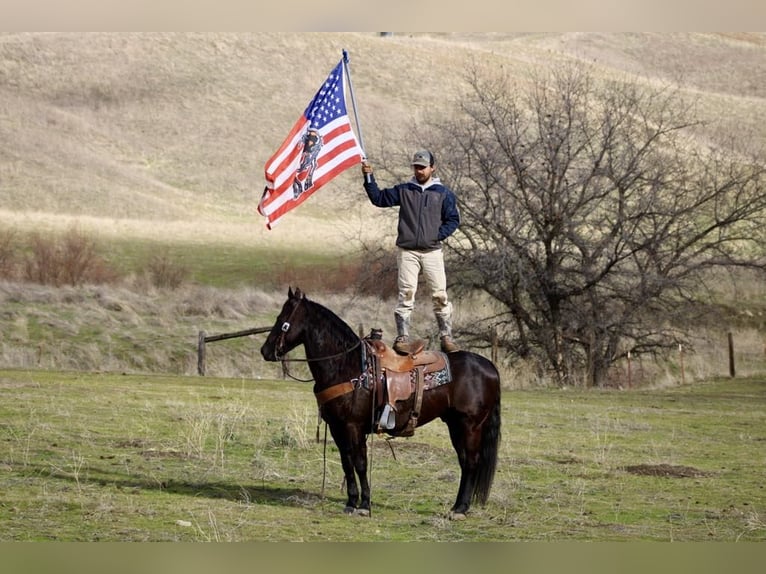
column 399, row 377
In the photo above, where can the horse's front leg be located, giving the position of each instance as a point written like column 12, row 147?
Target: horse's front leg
column 353, row 457
column 343, row 442
column 359, row 456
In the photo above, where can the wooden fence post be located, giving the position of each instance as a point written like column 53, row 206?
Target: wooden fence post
column 681, row 358
column 201, row 354
column 732, row 370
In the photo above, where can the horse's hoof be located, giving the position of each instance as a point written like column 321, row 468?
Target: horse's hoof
column 456, row 515
column 352, row 511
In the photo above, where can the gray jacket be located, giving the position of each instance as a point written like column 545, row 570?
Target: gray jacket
column 427, row 216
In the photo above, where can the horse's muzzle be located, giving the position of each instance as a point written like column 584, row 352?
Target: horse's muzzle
column 268, row 352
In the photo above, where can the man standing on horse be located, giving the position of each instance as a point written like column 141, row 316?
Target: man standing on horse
column 428, row 214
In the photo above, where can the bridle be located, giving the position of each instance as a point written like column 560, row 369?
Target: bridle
column 285, row 328
column 281, row 343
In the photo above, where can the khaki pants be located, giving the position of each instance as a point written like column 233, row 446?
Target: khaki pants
column 431, row 264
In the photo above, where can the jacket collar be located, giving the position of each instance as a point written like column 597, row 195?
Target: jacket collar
column 433, row 181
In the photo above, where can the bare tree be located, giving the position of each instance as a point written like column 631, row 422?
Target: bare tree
column 590, row 215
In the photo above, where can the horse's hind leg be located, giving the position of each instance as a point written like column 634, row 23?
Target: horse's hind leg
column 466, row 439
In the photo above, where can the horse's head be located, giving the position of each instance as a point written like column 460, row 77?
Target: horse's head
column 287, row 332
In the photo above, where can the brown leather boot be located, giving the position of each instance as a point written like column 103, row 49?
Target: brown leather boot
column 402, row 345
column 448, row 344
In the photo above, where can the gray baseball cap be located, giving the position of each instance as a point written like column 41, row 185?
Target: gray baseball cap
column 423, row 158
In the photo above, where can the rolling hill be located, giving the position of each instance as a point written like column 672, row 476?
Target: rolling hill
column 164, row 135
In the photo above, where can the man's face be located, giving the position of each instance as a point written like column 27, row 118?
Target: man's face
column 422, row 174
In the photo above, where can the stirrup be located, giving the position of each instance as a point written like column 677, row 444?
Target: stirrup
column 388, row 418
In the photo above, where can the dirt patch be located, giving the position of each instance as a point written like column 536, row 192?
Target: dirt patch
column 567, row 460
column 130, row 443
column 668, row 470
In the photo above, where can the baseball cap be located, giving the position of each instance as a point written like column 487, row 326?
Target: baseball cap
column 423, row 158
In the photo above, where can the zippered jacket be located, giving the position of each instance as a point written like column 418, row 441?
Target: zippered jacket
column 427, row 215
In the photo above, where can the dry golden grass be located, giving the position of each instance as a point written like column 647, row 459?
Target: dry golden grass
column 166, row 134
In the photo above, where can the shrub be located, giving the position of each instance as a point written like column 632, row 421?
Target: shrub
column 367, row 276
column 7, row 254
column 165, row 273
column 69, row 260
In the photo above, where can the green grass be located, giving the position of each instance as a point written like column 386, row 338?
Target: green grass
column 223, row 265
column 88, row 456
column 215, row 264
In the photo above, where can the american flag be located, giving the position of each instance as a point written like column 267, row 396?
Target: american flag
column 320, row 146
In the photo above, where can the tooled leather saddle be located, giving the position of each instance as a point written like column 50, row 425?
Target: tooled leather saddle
column 399, row 378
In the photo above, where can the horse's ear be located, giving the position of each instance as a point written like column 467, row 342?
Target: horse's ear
column 299, row 294
column 290, row 292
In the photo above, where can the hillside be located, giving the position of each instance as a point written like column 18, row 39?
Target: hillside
column 164, row 135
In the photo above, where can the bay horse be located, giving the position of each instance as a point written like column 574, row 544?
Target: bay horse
column 338, row 360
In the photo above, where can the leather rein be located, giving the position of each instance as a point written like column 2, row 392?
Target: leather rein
column 332, row 391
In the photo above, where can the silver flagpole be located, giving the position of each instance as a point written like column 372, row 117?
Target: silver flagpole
column 353, row 102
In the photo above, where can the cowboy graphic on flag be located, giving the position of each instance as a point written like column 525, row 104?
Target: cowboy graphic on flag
column 312, row 145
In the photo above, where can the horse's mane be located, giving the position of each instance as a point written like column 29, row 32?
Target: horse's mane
column 330, row 324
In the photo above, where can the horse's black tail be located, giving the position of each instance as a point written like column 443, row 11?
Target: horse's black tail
column 490, row 443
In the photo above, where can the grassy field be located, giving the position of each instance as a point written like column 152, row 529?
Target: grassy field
column 155, row 144
column 108, row 457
